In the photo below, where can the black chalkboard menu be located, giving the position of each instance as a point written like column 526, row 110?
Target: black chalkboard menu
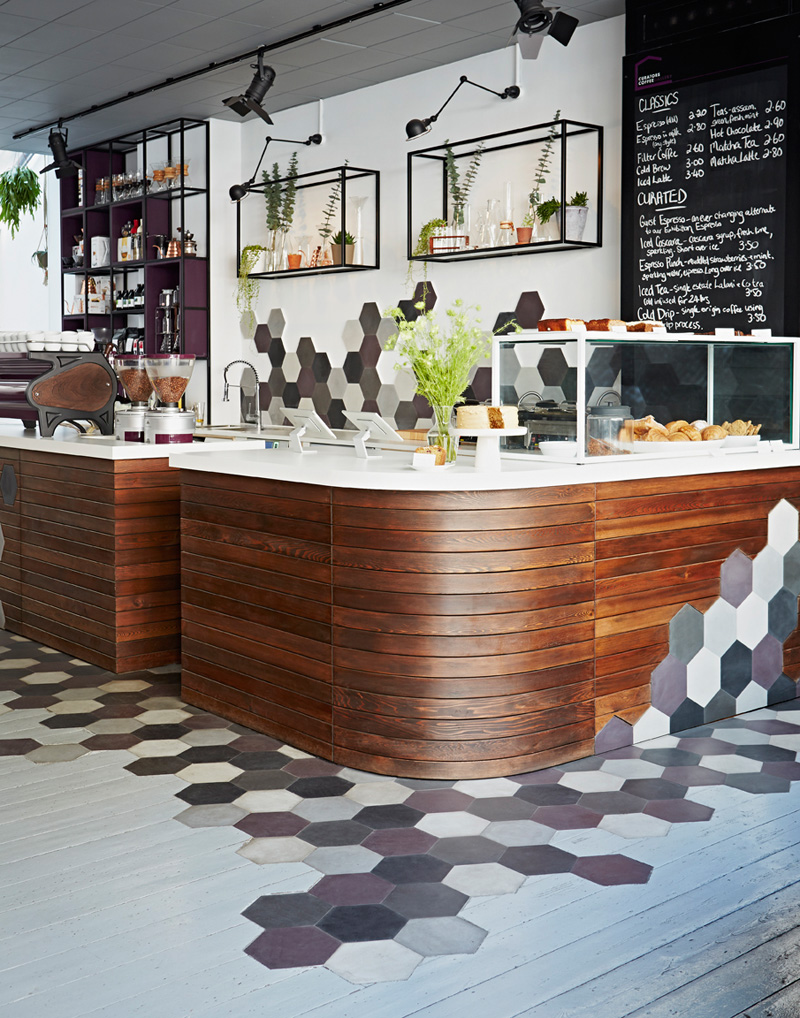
column 707, row 154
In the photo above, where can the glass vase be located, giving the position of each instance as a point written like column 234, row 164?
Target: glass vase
column 458, row 227
column 443, row 432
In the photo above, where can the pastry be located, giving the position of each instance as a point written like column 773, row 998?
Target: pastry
column 713, row 433
column 645, row 424
column 604, row 324
column 691, row 433
column 483, row 417
column 644, row 326
column 679, row 436
column 676, row 426
column 700, row 425
column 437, row 451
column 656, row 435
column 561, row 324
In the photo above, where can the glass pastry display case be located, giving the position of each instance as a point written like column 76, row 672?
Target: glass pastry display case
column 720, row 392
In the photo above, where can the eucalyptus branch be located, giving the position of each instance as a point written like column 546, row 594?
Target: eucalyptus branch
column 543, row 165
column 459, row 192
column 330, row 209
column 289, row 194
column 272, row 197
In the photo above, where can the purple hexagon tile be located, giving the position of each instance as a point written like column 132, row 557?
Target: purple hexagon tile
column 767, row 661
column 736, row 578
column 668, row 684
column 292, row 947
column 612, row 869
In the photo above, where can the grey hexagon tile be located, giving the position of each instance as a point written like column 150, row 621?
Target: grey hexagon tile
column 686, row 633
column 386, row 330
column 276, row 322
column 214, row 815
column 719, row 626
column 791, row 572
column 452, row 825
column 441, row 935
column 752, row 620
column 635, row 825
column 275, row 850
column 782, row 527
column 736, row 578
column 782, row 614
column 376, row 961
column 481, row 879
column 306, row 351
column 767, row 572
column 518, row 832
column 346, row 859
column 8, row 485
column 326, row 808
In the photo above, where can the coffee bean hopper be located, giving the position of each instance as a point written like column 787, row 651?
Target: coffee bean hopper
column 168, row 424
column 132, row 373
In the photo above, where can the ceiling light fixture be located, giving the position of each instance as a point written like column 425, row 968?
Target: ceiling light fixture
column 62, row 164
column 250, row 101
column 240, row 191
column 537, row 21
column 415, row 128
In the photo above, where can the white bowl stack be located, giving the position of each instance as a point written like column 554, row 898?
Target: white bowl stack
column 20, row 342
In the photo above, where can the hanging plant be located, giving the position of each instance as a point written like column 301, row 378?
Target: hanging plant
column 247, row 288
column 19, row 194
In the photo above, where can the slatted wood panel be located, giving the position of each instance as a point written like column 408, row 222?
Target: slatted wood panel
column 257, row 604
column 660, row 545
column 99, row 563
column 10, row 594
column 463, row 630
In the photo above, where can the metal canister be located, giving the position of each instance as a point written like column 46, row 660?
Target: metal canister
column 129, row 425
column 168, row 426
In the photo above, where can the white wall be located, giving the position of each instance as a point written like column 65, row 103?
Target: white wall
column 24, row 301
column 366, row 127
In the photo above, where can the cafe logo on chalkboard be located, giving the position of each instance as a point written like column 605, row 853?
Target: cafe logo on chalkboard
column 648, row 73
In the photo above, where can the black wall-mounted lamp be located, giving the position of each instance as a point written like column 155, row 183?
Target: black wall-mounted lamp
column 240, row 191
column 62, row 164
column 537, row 21
column 250, row 101
column 415, row 128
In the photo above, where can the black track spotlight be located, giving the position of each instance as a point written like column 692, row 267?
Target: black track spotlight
column 415, row 128
column 240, row 191
column 537, row 21
column 62, row 164
column 250, row 101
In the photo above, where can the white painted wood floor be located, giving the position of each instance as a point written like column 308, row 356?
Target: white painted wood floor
column 108, row 907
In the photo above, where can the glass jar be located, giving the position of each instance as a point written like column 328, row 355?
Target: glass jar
column 609, row 431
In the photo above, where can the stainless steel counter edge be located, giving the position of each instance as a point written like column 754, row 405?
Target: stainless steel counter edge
column 340, row 468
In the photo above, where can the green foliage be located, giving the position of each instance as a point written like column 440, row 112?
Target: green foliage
column 579, row 200
column 247, row 288
column 459, row 190
column 334, row 198
column 19, row 193
column 440, row 356
column 336, row 239
column 547, row 209
column 280, row 194
column 543, row 166
column 423, row 241
column 529, row 219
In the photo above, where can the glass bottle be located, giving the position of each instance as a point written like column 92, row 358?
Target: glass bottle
column 492, row 229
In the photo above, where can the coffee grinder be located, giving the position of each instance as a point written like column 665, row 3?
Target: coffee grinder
column 132, row 373
column 168, row 424
column 168, row 318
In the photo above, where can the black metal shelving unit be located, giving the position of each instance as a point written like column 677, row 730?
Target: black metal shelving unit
column 567, row 132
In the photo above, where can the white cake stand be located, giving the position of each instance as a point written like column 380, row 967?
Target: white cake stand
column 487, row 452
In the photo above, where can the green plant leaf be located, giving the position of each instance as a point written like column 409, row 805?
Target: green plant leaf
column 19, row 194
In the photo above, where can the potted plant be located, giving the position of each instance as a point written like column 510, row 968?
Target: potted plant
column 549, row 214
column 441, row 356
column 280, row 201
column 19, row 193
column 247, row 287
column 336, row 248
column 525, row 231
column 541, row 173
column 459, row 192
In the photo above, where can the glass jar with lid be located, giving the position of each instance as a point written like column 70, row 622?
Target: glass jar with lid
column 609, row 431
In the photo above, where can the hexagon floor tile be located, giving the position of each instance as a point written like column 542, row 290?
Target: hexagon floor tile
column 391, row 866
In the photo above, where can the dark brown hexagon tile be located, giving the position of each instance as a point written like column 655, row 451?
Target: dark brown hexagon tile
column 612, row 869
column 352, row 889
column 292, row 948
column 272, row 825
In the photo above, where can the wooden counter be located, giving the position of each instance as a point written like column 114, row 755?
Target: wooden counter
column 450, row 633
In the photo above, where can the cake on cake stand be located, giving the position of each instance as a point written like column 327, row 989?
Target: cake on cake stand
column 487, row 450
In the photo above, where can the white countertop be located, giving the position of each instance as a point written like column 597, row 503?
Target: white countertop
column 339, row 467
column 68, row 442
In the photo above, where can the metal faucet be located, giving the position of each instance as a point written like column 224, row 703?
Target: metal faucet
column 228, row 385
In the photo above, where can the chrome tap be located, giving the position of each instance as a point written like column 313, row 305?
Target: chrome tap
column 249, row 413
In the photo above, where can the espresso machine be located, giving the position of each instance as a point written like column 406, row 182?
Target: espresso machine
column 168, row 321
column 132, row 373
column 168, row 424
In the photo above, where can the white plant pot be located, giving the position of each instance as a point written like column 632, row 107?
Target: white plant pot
column 576, row 221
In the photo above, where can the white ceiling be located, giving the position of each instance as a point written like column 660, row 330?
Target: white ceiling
column 58, row 57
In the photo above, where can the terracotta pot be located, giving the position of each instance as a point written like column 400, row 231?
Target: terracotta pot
column 524, row 234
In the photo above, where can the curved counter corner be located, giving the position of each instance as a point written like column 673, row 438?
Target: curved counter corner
column 451, row 633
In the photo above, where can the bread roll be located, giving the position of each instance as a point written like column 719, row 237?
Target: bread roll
column 713, row 433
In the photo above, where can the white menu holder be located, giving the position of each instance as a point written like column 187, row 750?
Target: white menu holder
column 308, row 424
column 371, row 428
column 487, row 451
